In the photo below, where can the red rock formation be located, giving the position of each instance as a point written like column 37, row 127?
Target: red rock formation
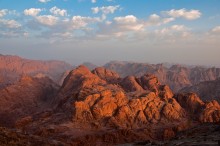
column 203, row 112
column 93, row 99
column 89, row 108
column 28, row 96
column 107, row 75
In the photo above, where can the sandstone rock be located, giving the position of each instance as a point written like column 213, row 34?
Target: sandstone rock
column 29, row 95
column 130, row 84
column 107, row 75
column 211, row 112
column 190, row 102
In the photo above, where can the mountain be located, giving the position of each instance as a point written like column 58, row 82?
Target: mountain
column 99, row 107
column 26, row 97
column 176, row 76
column 208, row 90
column 13, row 67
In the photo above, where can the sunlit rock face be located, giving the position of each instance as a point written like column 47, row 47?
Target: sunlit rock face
column 126, row 102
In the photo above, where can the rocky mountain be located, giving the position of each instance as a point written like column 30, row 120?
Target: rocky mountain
column 101, row 108
column 176, row 76
column 13, row 67
column 26, row 97
column 208, row 90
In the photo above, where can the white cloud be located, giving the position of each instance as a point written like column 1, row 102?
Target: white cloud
column 9, row 23
column 93, row 1
column 57, row 11
column 80, row 22
column 128, row 23
column 44, row 1
column 173, row 33
column 129, row 19
column 3, row 12
column 105, row 10
column 120, row 27
column 216, row 30
column 156, row 20
column 32, row 11
column 167, row 20
column 187, row 14
column 95, row 10
column 47, row 20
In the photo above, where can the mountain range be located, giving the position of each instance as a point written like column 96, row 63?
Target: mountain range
column 103, row 107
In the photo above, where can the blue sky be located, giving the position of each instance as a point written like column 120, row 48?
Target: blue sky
column 154, row 31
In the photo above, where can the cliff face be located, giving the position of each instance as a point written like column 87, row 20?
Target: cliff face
column 13, row 67
column 176, row 76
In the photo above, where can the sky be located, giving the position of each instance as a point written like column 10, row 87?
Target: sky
column 98, row 31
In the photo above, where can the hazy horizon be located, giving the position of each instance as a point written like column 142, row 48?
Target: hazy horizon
column 101, row 31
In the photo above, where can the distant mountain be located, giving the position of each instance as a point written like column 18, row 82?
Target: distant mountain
column 13, row 67
column 208, row 90
column 176, row 76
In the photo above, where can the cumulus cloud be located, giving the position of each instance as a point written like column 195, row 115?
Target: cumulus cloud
column 9, row 23
column 56, row 11
column 80, row 21
column 105, row 10
column 216, row 30
column 187, row 14
column 10, row 28
column 155, row 19
column 32, row 11
column 47, row 20
column 3, row 12
column 128, row 23
column 44, row 1
column 173, row 33
column 93, row 1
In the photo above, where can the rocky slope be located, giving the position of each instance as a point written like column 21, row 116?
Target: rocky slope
column 26, row 97
column 209, row 90
column 176, row 76
column 13, row 67
column 99, row 107
column 205, row 134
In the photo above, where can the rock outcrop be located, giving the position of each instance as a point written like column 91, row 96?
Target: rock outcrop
column 28, row 96
column 94, row 98
column 199, row 110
